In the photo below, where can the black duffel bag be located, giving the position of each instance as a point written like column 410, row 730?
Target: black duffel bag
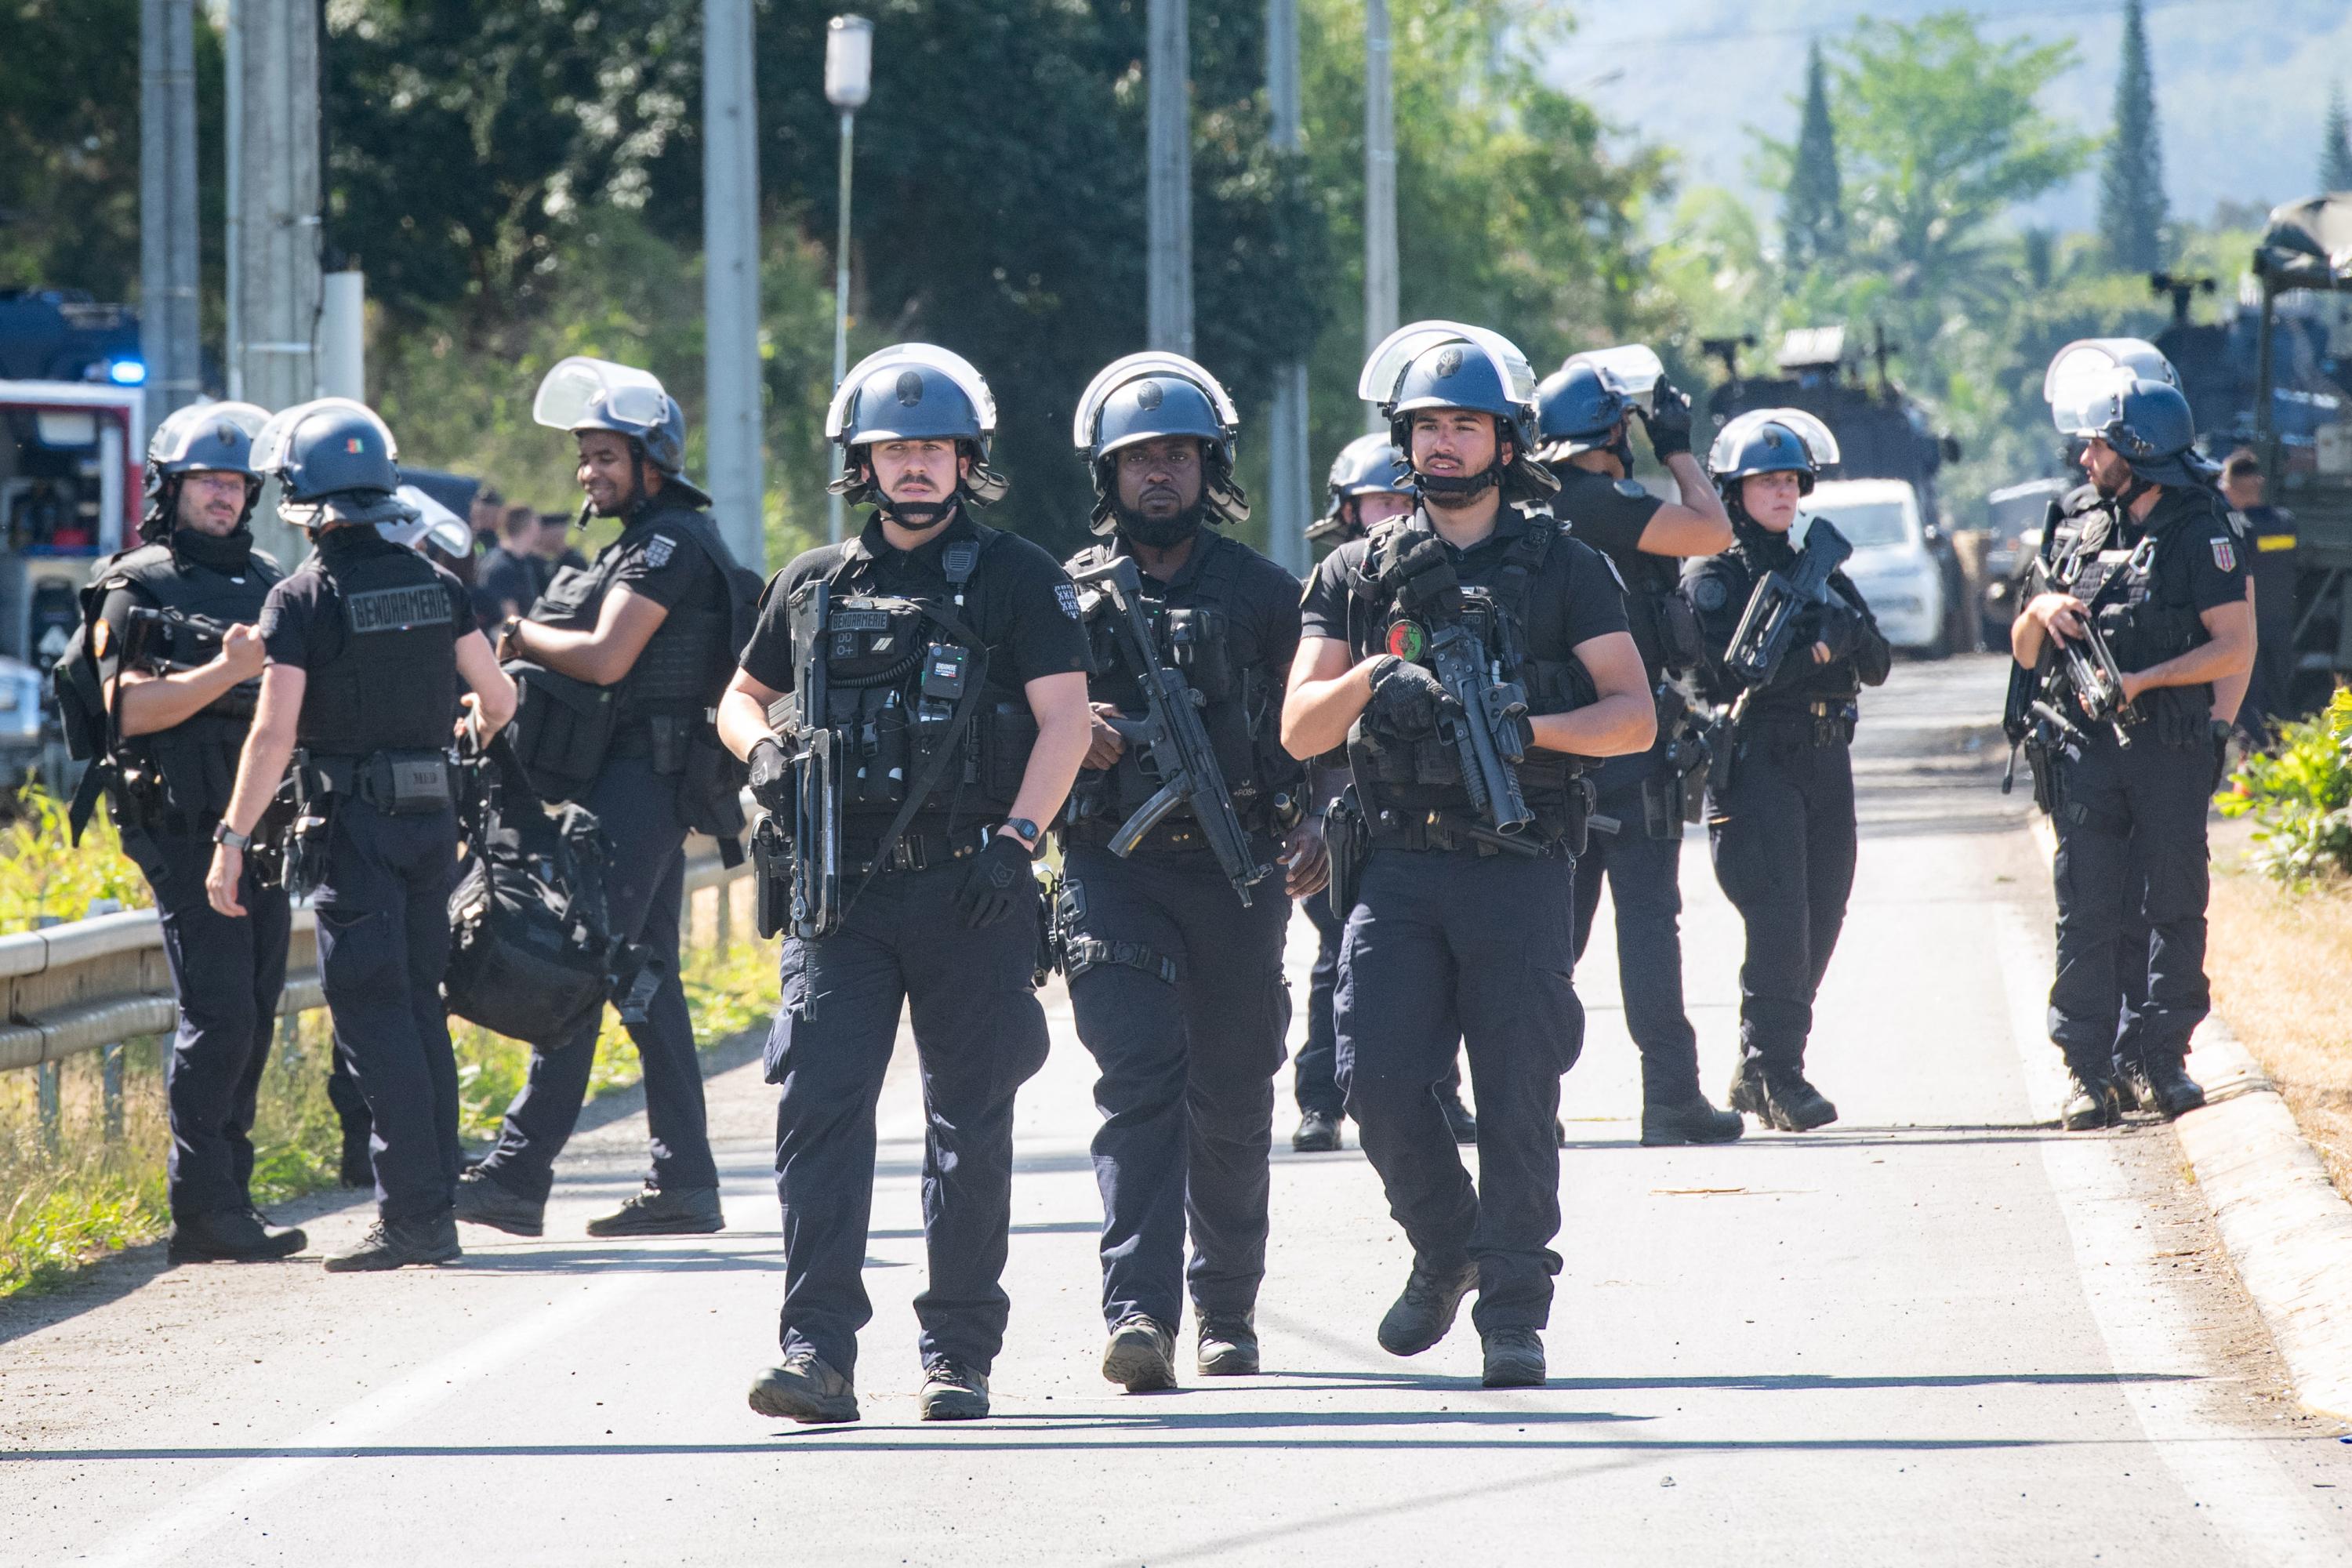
column 531, row 955
column 563, row 727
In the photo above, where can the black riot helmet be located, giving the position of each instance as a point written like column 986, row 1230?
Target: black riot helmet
column 1367, row 466
column 2123, row 391
column 335, row 461
column 1771, row 441
column 1446, row 365
column 202, row 437
column 587, row 393
column 913, row 392
column 1147, row 397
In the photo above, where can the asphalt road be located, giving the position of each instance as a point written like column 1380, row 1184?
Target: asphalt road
column 1937, row 1332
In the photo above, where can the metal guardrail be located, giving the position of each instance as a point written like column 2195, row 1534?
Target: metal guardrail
column 89, row 985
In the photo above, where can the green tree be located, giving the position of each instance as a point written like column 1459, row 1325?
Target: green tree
column 2131, row 187
column 2336, row 145
column 1813, row 209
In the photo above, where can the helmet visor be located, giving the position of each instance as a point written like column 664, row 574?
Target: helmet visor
column 1820, row 445
column 1386, row 364
column 2089, row 402
column 2092, row 363
column 435, row 523
column 581, row 393
column 954, row 366
column 185, row 426
column 1118, row 373
column 271, row 442
column 1632, row 371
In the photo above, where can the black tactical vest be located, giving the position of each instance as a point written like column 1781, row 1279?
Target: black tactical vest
column 191, row 767
column 392, row 684
column 687, row 663
column 1239, row 704
column 897, row 670
column 2113, row 569
column 1405, row 781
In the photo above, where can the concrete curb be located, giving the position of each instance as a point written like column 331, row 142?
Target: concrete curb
column 2289, row 1232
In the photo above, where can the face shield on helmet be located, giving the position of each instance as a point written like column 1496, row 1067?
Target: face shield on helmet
column 1368, row 464
column 432, row 524
column 586, row 393
column 913, row 392
column 1446, row 364
column 202, row 437
column 1771, row 441
column 1151, row 396
column 335, row 461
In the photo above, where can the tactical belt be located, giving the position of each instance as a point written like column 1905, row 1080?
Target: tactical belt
column 918, row 851
column 395, row 783
column 1172, row 837
column 1085, row 952
column 1816, row 723
column 1453, row 837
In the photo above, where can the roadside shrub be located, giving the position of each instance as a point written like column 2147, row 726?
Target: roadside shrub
column 2300, row 797
column 44, row 877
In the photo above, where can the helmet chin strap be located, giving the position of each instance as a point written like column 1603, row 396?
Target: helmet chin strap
column 1450, row 492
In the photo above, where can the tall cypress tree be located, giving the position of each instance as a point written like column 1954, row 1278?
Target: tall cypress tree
column 2336, row 146
column 1814, row 214
column 2131, row 189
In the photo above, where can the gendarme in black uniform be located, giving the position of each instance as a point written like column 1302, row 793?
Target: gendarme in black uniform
column 1449, row 940
column 670, row 552
column 904, row 943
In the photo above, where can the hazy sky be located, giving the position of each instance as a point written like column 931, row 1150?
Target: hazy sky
column 2240, row 85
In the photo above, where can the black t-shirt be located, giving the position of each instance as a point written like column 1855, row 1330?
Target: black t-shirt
column 2200, row 557
column 1258, row 597
column 1019, row 602
column 503, row 578
column 2270, row 537
column 1575, row 598
column 1611, row 515
column 302, row 623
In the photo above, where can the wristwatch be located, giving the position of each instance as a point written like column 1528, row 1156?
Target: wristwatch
column 1022, row 827
column 228, row 837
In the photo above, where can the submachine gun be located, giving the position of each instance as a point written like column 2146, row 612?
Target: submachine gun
column 1485, row 720
column 797, row 871
column 1768, row 630
column 1175, row 747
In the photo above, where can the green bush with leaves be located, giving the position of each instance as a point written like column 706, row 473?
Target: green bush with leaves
column 45, row 878
column 2300, row 798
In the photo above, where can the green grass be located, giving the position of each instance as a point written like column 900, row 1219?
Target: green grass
column 66, row 1202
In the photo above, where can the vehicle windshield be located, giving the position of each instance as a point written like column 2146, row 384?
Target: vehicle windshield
column 1866, row 524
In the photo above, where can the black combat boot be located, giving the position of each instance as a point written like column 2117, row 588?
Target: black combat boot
column 231, row 1235
column 2091, row 1104
column 396, row 1243
column 357, row 1166
column 805, row 1388
column 1515, row 1358
column 1746, row 1090
column 656, row 1211
column 1692, row 1121
column 1424, row 1310
column 1228, row 1346
column 1793, row 1105
column 953, row 1391
column 1142, row 1355
column 2170, row 1089
column 483, row 1199
column 1317, row 1134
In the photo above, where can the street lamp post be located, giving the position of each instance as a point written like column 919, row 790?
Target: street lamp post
column 848, row 81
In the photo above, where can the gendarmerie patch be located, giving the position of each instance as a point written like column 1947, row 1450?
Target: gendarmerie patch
column 398, row 609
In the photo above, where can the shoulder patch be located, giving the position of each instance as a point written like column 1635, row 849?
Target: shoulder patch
column 1631, row 490
column 659, row 549
column 1709, row 593
column 2225, row 555
column 1066, row 595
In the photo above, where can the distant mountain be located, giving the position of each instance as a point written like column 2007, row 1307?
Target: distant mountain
column 2240, row 85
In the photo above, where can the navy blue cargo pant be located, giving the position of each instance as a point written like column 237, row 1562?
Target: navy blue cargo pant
column 384, row 942
column 1178, row 992
column 1315, row 1073
column 2131, row 827
column 644, row 882
column 226, row 974
column 1444, row 946
column 1783, row 836
column 1644, row 875
column 980, row 1034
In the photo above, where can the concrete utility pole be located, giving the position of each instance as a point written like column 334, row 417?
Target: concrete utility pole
column 1289, row 498
column 1380, row 189
column 731, row 280
column 276, row 291
column 1169, row 301
column 167, row 206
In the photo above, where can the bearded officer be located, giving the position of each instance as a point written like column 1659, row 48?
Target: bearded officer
column 955, row 758
column 1460, row 929
column 1175, row 972
column 1369, row 483
column 653, row 623
column 1585, row 414
column 2164, row 576
column 172, row 738
column 366, row 644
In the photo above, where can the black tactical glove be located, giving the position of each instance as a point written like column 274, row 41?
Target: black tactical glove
column 1417, row 574
column 1405, row 698
column 1839, row 629
column 999, row 879
column 772, row 775
column 1668, row 421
